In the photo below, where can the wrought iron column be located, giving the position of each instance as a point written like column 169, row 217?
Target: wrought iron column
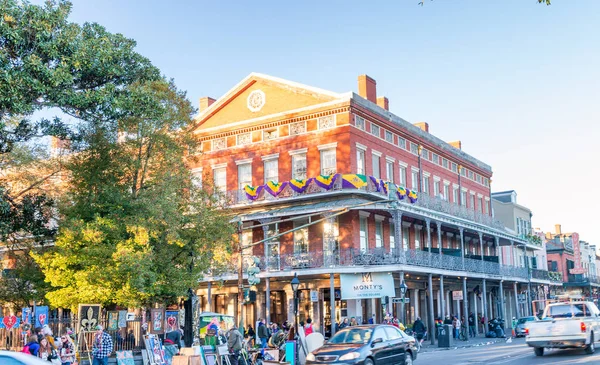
column 529, row 304
column 518, row 312
column 475, row 312
column 428, row 225
column 439, row 234
column 497, row 245
column 501, row 314
column 443, row 296
column 268, row 300
column 397, row 215
column 462, row 246
column 465, row 302
column 485, row 308
column 332, row 302
column 481, row 244
column 512, row 253
column 431, row 321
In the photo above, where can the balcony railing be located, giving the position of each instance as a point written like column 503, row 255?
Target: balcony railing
column 583, row 279
column 379, row 256
column 239, row 197
column 546, row 275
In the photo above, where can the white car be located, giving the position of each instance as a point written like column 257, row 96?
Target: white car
column 565, row 325
column 18, row 358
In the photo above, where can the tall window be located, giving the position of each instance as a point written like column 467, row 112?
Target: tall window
column 359, row 122
column 472, row 201
column 364, row 229
column 328, row 162
column 272, row 247
column 331, row 235
column 415, row 180
column 417, row 238
column 392, row 235
column 436, row 187
column 197, row 178
column 360, row 161
column 405, row 238
column 244, row 175
column 455, row 194
column 376, row 167
column 301, row 237
column 426, row 184
column 480, row 204
column 375, row 130
column 389, row 136
column 299, row 166
column 402, row 175
column 463, row 198
column 446, row 192
column 486, row 207
column 378, row 233
column 389, row 170
column 272, row 170
column 220, row 178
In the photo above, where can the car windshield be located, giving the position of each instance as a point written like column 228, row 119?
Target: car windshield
column 526, row 319
column 352, row 336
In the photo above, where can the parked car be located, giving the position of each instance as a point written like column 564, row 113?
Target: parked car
column 19, row 358
column 522, row 323
column 366, row 345
column 565, row 325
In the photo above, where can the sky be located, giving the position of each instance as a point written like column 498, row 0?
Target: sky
column 516, row 81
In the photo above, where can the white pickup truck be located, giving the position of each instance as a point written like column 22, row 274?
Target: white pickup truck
column 565, row 325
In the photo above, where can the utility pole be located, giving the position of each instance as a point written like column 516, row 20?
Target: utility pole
column 240, row 303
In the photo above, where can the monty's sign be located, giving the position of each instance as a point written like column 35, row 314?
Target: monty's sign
column 367, row 285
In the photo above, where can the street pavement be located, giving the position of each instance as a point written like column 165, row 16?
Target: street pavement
column 502, row 353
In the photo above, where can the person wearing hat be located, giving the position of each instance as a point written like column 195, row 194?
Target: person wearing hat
column 102, row 348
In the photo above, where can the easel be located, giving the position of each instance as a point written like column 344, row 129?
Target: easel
column 87, row 346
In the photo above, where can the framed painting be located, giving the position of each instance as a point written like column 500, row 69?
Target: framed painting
column 157, row 321
column 172, row 320
column 89, row 317
column 113, row 321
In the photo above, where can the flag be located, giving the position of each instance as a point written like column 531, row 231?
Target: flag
column 299, row 185
column 401, row 192
column 275, row 188
column 252, row 192
column 377, row 182
column 412, row 195
column 326, row 181
column 353, row 181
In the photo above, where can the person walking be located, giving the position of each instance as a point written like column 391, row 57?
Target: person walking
column 419, row 329
column 344, row 323
column 308, row 327
column 67, row 350
column 472, row 324
column 456, row 327
column 263, row 335
column 234, row 344
column 102, row 347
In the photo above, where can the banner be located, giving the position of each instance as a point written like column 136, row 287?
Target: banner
column 326, row 181
column 299, row 186
column 252, row 192
column 26, row 315
column 367, row 285
column 353, row 181
column 41, row 316
column 275, row 188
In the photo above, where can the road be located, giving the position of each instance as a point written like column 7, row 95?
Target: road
column 515, row 353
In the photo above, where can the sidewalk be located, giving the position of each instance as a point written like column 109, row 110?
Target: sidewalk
column 480, row 340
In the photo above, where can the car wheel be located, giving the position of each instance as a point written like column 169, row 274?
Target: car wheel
column 539, row 351
column 591, row 348
column 407, row 358
column 369, row 361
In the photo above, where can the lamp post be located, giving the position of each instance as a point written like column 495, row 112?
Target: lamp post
column 403, row 288
column 295, row 284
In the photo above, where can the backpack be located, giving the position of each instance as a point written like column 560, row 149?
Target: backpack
column 26, row 350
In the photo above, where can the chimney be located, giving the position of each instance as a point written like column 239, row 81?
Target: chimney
column 383, row 102
column 456, row 144
column 557, row 229
column 424, row 126
column 367, row 88
column 205, row 102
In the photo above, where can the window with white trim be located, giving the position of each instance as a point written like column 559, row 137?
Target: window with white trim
column 389, row 136
column 271, row 170
column 446, row 192
column 480, row 204
column 472, row 201
column 486, row 207
column 364, row 229
column 392, row 235
column 389, row 170
column 375, row 130
column 378, row 233
column 401, row 143
column 417, row 238
column 425, row 186
column 463, row 198
column 454, row 167
column 405, row 238
column 435, row 158
column 300, row 236
column 425, row 153
column 244, row 175
column 402, row 175
column 299, row 166
column 359, row 122
column 414, row 148
column 415, row 180
column 455, row 194
column 328, row 161
column 376, row 166
column 360, row 161
column 220, row 179
column 436, row 188
column 444, row 162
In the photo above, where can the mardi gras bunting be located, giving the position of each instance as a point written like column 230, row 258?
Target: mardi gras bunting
column 326, row 181
column 300, row 186
column 252, row 192
column 353, row 181
column 412, row 195
column 376, row 182
column 385, row 185
column 275, row 188
column 401, row 192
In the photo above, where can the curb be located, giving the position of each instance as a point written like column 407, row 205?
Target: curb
column 487, row 343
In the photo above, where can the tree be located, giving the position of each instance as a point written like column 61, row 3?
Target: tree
column 136, row 229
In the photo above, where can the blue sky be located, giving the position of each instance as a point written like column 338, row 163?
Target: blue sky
column 516, row 81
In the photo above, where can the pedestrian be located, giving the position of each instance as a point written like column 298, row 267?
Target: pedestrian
column 419, row 329
column 353, row 322
column 456, row 327
column 45, row 351
column 263, row 335
column 514, row 326
column 47, row 333
column 472, row 324
column 234, row 344
column 32, row 347
column 250, row 335
column 308, row 328
column 344, row 323
column 130, row 339
column 174, row 338
column 372, row 319
column 102, row 347
column 447, row 320
column 67, row 350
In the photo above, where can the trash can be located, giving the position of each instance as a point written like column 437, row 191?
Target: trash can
column 445, row 336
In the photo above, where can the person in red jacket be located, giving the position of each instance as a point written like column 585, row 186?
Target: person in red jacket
column 308, row 327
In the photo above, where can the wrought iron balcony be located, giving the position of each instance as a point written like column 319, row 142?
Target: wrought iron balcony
column 547, row 275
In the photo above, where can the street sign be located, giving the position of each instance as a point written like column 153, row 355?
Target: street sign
column 401, row 300
column 457, row 295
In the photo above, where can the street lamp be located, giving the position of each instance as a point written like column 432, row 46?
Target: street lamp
column 403, row 288
column 295, row 284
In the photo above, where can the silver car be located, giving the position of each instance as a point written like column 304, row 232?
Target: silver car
column 522, row 323
column 18, row 358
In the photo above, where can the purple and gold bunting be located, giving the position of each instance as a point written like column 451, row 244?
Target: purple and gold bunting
column 252, row 192
column 300, row 186
column 412, row 195
column 376, row 182
column 326, row 181
column 401, row 192
column 386, row 185
column 275, row 188
column 353, row 181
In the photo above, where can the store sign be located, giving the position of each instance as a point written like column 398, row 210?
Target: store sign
column 457, row 295
column 367, row 285
column 314, row 295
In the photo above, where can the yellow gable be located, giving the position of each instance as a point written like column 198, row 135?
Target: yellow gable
column 259, row 97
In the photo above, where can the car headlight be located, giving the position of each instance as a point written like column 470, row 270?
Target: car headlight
column 310, row 357
column 350, row 356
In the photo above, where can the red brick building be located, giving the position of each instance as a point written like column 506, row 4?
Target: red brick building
column 266, row 131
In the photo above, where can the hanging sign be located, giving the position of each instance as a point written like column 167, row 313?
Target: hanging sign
column 367, row 285
column 457, row 295
column 314, row 295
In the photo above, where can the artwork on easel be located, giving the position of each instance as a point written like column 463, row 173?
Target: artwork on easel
column 209, row 357
column 122, row 319
column 154, row 350
column 172, row 320
column 157, row 321
column 113, row 321
column 125, row 358
column 89, row 317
